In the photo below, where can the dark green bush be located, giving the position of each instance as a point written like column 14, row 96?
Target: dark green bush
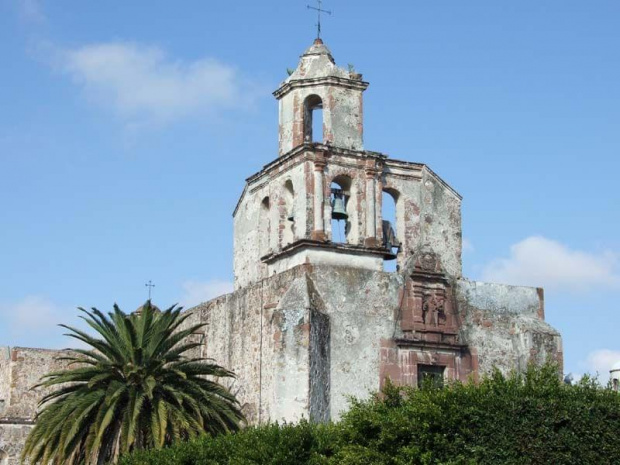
column 522, row 419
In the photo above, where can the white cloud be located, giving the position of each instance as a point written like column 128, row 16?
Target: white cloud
column 143, row 85
column 538, row 261
column 599, row 362
column 196, row 292
column 33, row 322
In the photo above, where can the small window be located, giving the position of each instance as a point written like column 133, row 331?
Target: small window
column 432, row 374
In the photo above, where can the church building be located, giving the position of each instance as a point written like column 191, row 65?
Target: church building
column 318, row 312
column 347, row 270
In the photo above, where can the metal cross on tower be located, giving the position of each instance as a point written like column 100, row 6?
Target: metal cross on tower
column 150, row 285
column 319, row 9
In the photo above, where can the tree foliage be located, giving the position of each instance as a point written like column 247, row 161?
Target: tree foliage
column 135, row 389
column 530, row 418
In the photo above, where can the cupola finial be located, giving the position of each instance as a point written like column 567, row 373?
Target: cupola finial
column 319, row 9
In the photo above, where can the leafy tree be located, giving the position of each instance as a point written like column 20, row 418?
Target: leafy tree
column 530, row 418
column 135, row 389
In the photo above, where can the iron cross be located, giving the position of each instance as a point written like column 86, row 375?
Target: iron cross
column 150, row 285
column 319, row 9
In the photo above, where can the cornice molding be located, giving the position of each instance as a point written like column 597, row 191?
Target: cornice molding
column 320, row 81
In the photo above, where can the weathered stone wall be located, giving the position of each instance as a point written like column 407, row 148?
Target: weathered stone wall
column 361, row 306
column 260, row 333
column 12, row 439
column 440, row 218
column 428, row 213
column 26, row 369
column 304, row 340
column 5, row 376
column 259, row 231
column 505, row 326
column 20, row 369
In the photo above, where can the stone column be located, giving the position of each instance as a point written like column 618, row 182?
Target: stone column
column 371, row 208
column 318, row 233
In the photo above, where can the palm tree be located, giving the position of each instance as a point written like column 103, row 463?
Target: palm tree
column 134, row 390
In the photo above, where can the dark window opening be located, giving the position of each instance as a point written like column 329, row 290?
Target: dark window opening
column 430, row 374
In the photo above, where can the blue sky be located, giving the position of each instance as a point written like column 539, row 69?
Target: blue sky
column 127, row 130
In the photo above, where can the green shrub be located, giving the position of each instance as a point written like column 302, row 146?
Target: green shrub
column 531, row 418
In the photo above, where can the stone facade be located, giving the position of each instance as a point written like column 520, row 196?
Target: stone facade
column 314, row 317
column 305, row 339
column 20, row 369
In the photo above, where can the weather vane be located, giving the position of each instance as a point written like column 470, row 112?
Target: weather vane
column 319, row 9
column 150, row 285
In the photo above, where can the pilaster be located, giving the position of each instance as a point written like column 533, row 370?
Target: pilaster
column 318, row 233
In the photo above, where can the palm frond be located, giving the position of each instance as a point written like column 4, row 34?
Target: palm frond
column 134, row 389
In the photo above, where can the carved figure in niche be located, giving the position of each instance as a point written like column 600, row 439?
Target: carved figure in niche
column 433, row 310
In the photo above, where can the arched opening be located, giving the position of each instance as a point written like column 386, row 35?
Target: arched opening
column 390, row 226
column 341, row 214
column 264, row 227
column 313, row 119
column 4, row 458
column 288, row 233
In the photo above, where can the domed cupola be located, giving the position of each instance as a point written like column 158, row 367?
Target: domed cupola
column 138, row 311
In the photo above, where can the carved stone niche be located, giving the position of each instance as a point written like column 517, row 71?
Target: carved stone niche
column 428, row 307
column 429, row 327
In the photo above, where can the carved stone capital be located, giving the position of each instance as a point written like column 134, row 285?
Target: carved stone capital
column 320, row 162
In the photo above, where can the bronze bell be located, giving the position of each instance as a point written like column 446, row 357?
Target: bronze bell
column 339, row 210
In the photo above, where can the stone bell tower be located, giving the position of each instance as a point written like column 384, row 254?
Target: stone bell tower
column 285, row 215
